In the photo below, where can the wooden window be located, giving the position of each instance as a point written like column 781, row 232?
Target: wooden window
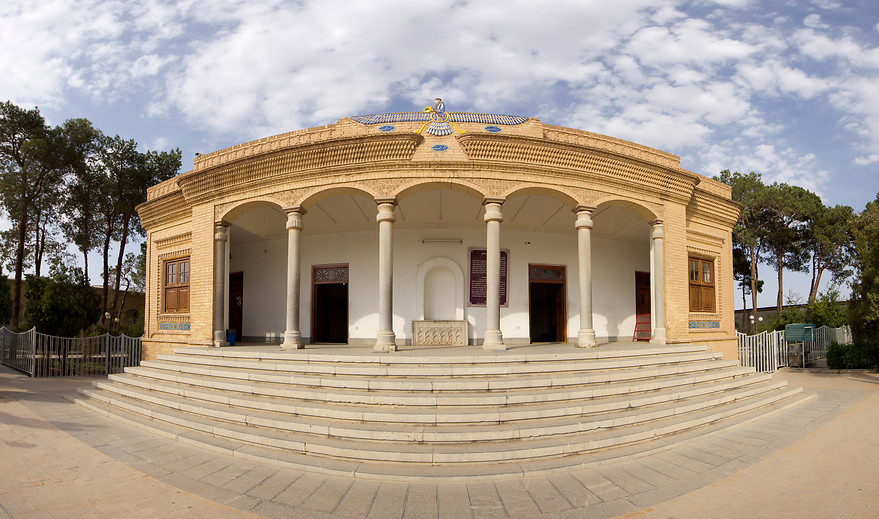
column 701, row 284
column 176, row 286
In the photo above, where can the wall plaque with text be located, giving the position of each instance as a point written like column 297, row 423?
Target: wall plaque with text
column 477, row 288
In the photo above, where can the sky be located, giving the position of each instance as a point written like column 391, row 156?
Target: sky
column 789, row 89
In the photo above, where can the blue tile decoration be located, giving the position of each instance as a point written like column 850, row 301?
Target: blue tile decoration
column 700, row 325
column 436, row 126
column 386, row 128
column 174, row 326
column 439, row 147
column 492, row 129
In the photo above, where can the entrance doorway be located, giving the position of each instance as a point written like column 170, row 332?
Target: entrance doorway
column 546, row 303
column 329, row 308
column 642, row 293
column 236, row 304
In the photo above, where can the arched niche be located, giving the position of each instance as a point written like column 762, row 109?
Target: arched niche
column 430, row 298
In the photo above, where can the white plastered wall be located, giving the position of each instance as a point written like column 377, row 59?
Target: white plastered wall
column 264, row 266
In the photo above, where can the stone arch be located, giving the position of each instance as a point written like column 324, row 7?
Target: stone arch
column 562, row 197
column 429, row 184
column 439, row 262
column 227, row 213
column 648, row 213
column 312, row 198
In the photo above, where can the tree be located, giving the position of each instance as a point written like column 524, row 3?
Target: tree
column 5, row 300
column 829, row 241
column 864, row 305
column 789, row 208
column 28, row 174
column 80, row 160
column 62, row 304
column 742, row 274
column 826, row 310
column 749, row 231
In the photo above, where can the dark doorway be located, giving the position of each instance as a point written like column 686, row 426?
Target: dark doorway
column 236, row 304
column 643, row 328
column 642, row 293
column 546, row 303
column 329, row 323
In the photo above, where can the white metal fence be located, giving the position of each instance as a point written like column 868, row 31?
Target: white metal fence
column 41, row 355
column 768, row 351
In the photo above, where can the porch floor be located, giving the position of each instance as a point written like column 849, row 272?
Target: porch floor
column 433, row 351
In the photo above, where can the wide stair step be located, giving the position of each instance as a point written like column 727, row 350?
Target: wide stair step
column 461, row 415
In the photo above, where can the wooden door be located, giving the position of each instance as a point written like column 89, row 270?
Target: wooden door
column 236, row 304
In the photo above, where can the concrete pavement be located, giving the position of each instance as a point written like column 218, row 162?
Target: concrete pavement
column 816, row 460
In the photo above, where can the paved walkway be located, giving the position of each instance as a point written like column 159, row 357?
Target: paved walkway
column 820, row 459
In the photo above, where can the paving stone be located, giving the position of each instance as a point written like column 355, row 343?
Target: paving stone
column 358, row 499
column 275, row 484
column 546, row 496
column 389, row 501
column 328, row 495
column 301, row 489
column 453, row 501
column 516, row 499
column 624, row 479
column 421, row 502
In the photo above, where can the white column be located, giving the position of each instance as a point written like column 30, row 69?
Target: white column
column 494, row 340
column 385, row 339
column 220, row 238
column 293, row 335
column 586, row 334
column 658, row 276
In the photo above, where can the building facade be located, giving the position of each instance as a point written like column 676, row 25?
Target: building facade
column 438, row 228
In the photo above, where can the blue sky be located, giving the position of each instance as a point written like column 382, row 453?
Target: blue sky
column 784, row 88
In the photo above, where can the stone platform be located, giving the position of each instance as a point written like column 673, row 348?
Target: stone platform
column 450, row 412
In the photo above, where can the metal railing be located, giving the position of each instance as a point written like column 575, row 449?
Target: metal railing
column 42, row 355
column 768, row 351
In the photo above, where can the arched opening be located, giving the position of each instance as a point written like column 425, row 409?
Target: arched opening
column 538, row 230
column 439, row 295
column 255, row 272
column 622, row 271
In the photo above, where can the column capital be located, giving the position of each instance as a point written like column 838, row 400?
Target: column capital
column 493, row 209
column 220, row 231
column 294, row 218
column 657, row 233
column 386, row 208
column 584, row 217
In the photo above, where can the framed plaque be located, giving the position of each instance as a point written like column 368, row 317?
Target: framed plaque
column 477, row 287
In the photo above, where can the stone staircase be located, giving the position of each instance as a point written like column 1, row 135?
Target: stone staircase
column 426, row 416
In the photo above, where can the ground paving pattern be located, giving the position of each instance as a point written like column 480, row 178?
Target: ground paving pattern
column 819, row 459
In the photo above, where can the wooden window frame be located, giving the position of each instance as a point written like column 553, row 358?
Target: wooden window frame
column 702, row 294
column 174, row 285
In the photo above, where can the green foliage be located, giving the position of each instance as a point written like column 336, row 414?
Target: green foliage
column 826, row 310
column 5, row 300
column 860, row 355
column 789, row 315
column 61, row 304
column 829, row 239
column 864, row 305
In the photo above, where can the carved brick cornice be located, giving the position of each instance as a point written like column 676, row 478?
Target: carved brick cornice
column 715, row 242
column 590, row 163
column 598, row 142
column 173, row 240
column 166, row 208
column 713, row 207
column 265, row 145
column 274, row 167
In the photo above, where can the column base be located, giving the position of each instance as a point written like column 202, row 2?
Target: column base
column 586, row 339
column 220, row 338
column 292, row 341
column 494, row 341
column 658, row 336
column 385, row 342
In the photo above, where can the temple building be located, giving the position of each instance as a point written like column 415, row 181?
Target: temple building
column 438, row 228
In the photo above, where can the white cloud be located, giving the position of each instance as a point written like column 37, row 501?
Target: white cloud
column 867, row 160
column 814, row 21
